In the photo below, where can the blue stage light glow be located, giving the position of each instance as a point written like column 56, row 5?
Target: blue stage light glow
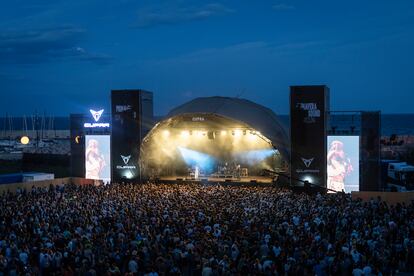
column 253, row 157
column 196, row 158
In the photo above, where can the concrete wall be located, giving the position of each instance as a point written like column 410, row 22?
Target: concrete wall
column 12, row 187
column 391, row 198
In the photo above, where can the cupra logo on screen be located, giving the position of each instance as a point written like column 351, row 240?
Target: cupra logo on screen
column 96, row 115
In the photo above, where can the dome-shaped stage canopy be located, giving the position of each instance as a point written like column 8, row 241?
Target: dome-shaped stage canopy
column 256, row 116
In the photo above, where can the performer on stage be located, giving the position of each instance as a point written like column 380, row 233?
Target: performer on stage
column 238, row 171
column 196, row 172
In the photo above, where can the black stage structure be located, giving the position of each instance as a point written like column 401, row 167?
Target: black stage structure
column 132, row 118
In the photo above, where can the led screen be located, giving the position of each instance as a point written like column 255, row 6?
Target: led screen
column 98, row 157
column 343, row 163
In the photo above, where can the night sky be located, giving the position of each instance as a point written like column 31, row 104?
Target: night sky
column 65, row 56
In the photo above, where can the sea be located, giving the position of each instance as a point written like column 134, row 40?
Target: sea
column 398, row 124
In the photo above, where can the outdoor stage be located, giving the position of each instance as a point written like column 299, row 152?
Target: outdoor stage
column 243, row 180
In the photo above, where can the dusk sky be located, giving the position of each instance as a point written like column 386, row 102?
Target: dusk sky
column 65, row 56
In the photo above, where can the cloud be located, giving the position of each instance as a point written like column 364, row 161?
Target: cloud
column 241, row 51
column 45, row 45
column 84, row 55
column 175, row 15
column 283, row 7
column 208, row 53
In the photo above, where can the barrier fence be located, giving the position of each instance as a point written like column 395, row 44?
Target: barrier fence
column 12, row 187
column 391, row 198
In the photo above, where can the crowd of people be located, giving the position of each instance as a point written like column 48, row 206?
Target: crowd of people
column 159, row 229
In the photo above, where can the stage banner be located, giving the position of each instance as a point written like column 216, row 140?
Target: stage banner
column 132, row 115
column 308, row 129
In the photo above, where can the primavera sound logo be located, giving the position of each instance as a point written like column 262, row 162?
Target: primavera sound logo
column 312, row 112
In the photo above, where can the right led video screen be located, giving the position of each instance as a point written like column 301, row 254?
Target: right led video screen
column 343, row 163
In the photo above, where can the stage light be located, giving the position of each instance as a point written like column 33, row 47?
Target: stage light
column 199, row 133
column 128, row 175
column 223, row 132
column 166, row 133
column 308, row 178
column 237, row 133
column 185, row 134
column 251, row 137
column 24, row 140
column 197, row 158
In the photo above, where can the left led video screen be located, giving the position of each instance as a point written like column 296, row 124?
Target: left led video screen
column 98, row 157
